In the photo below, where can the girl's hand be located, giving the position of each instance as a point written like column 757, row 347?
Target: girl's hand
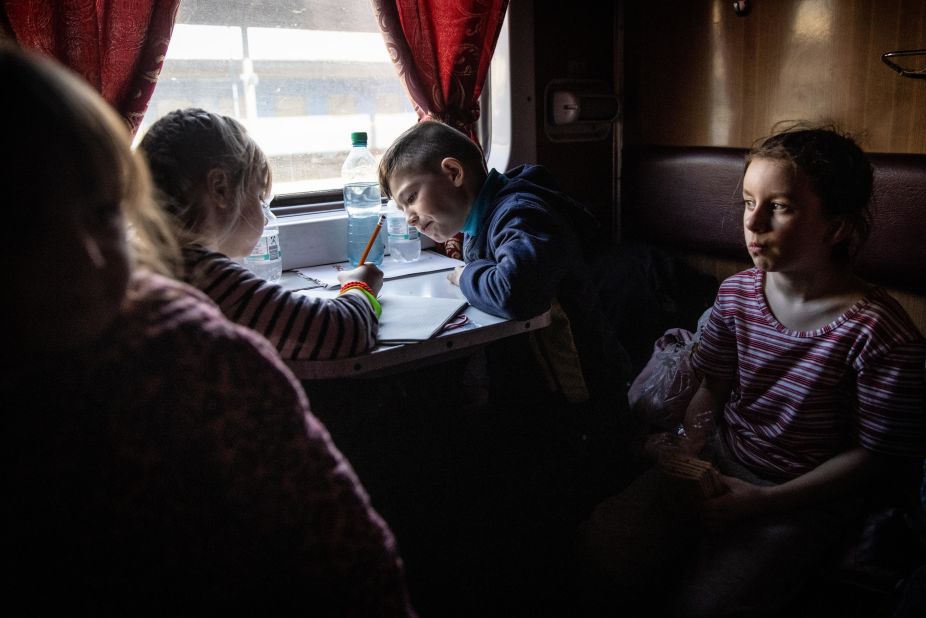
column 667, row 444
column 741, row 500
column 658, row 446
column 368, row 273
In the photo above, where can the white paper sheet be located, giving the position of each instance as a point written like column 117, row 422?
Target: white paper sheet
column 327, row 274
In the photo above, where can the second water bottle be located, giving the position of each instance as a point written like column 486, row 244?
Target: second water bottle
column 404, row 242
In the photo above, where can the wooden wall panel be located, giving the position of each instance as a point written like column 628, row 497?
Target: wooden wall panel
column 576, row 42
column 697, row 74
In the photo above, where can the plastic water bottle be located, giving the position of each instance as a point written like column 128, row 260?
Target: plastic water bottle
column 404, row 242
column 362, row 201
column 266, row 258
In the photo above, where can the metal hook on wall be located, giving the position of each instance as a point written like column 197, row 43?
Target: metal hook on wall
column 914, row 74
column 742, row 7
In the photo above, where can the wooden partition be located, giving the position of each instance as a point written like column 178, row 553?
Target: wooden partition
column 575, row 42
column 698, row 74
column 679, row 199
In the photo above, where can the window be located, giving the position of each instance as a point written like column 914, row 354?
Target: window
column 301, row 75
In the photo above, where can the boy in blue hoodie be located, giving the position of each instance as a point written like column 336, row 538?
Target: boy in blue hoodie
column 523, row 248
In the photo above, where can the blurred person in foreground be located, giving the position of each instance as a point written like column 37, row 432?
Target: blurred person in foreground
column 158, row 458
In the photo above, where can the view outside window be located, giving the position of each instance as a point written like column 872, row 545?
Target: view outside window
column 301, row 75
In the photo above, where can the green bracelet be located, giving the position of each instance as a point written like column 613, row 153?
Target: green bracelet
column 377, row 308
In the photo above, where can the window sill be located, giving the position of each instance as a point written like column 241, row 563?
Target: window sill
column 318, row 238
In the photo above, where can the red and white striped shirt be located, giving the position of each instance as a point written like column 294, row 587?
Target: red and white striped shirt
column 301, row 327
column 801, row 397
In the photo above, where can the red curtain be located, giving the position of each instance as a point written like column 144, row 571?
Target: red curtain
column 117, row 45
column 442, row 51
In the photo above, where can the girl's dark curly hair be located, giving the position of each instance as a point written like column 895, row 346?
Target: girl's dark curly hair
column 839, row 172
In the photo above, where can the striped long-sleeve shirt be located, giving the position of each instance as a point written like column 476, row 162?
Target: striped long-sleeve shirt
column 801, row 397
column 301, row 327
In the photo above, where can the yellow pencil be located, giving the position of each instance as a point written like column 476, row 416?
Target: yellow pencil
column 366, row 252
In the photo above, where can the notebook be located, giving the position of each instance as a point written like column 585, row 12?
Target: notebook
column 407, row 319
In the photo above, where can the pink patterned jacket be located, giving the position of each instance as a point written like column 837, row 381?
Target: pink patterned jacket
column 175, row 468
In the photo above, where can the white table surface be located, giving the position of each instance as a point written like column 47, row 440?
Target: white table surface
column 481, row 329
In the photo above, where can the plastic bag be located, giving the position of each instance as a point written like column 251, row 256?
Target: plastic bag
column 660, row 394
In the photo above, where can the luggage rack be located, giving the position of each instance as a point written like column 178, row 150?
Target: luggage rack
column 914, row 74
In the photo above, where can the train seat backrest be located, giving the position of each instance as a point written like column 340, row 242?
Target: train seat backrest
column 689, row 199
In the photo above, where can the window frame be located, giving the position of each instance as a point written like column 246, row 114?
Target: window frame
column 308, row 202
column 493, row 130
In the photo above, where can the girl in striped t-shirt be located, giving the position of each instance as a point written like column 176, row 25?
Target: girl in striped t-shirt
column 212, row 177
column 815, row 380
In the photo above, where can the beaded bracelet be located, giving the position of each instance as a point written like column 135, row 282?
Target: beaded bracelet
column 367, row 291
column 357, row 284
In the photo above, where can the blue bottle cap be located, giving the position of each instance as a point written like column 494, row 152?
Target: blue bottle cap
column 358, row 138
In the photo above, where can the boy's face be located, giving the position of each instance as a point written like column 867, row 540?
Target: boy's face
column 437, row 204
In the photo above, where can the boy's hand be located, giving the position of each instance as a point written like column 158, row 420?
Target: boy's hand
column 454, row 276
column 368, row 273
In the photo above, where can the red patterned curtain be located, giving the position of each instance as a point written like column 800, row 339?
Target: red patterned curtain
column 117, row 45
column 442, row 51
